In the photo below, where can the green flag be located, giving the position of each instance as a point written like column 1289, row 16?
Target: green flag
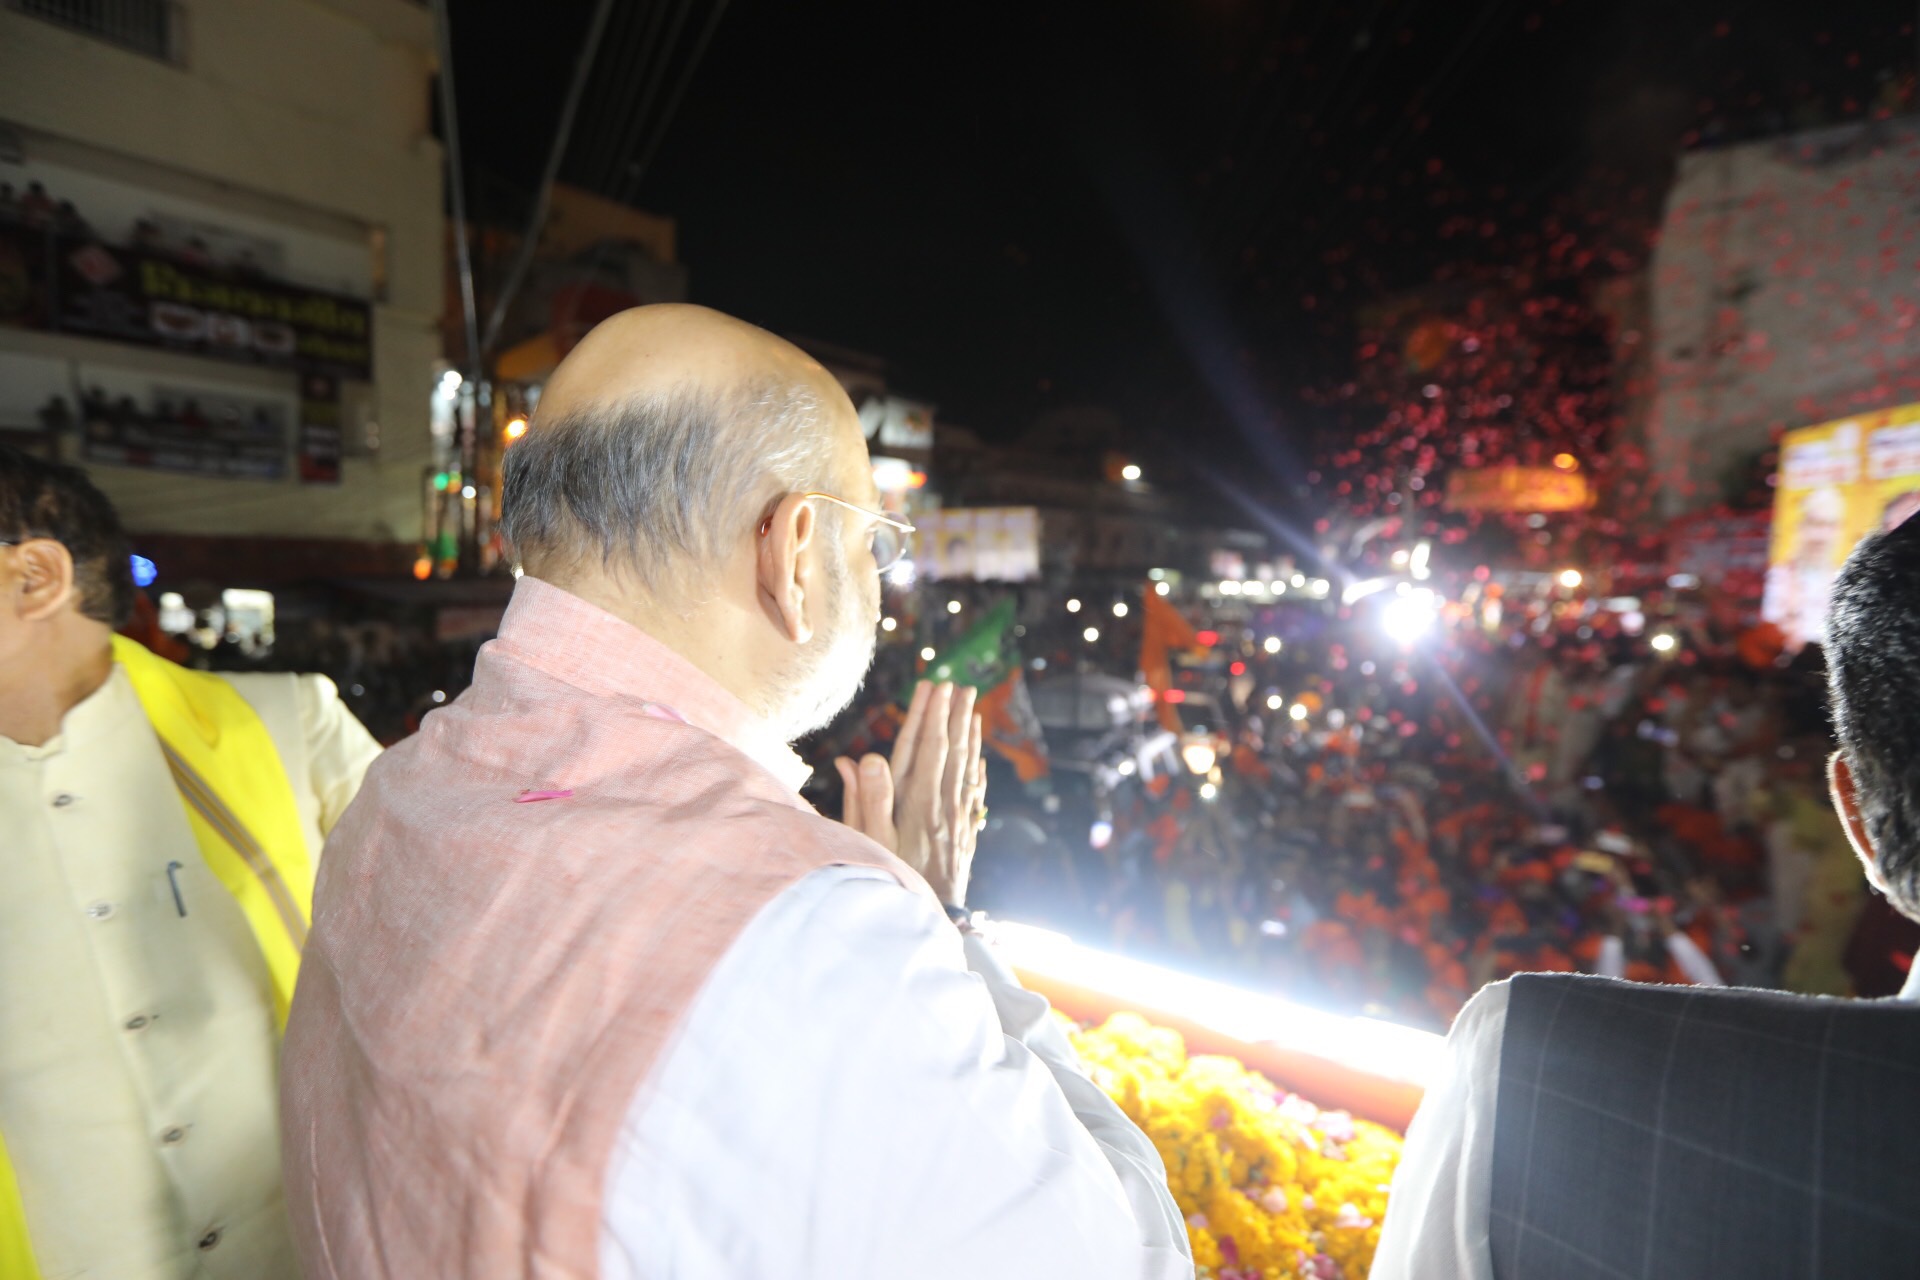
column 984, row 657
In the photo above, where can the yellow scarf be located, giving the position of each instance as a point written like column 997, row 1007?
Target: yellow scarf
column 245, row 820
column 238, row 802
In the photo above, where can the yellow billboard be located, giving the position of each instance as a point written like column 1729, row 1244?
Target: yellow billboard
column 1838, row 482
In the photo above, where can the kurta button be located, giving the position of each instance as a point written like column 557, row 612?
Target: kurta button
column 136, row 1022
column 100, row 910
column 210, row 1239
column 173, row 1137
column 62, row 800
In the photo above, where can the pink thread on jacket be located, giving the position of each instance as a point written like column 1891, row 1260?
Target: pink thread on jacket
column 528, row 797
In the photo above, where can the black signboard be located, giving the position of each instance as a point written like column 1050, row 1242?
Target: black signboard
column 75, row 284
column 193, row 431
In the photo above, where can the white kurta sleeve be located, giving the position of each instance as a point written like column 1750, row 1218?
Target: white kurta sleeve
column 339, row 748
column 847, row 1098
column 1028, row 1019
column 1437, row 1213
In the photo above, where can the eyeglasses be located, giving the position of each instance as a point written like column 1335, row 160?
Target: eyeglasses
column 889, row 536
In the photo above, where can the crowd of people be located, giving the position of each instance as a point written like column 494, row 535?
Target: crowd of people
column 1441, row 816
column 1395, row 826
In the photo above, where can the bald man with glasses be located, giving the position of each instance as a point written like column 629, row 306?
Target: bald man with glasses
column 592, row 992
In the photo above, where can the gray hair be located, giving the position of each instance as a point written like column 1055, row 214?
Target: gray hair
column 660, row 484
column 1873, row 661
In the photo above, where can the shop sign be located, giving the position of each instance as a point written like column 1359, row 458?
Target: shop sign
column 1518, row 489
column 77, row 285
column 189, row 430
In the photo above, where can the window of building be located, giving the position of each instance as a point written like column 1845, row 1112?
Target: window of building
column 150, row 27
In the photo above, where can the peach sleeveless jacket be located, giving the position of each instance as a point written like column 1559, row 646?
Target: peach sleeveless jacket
column 491, row 977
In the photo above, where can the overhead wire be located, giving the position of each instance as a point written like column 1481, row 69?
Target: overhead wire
column 637, row 169
column 598, row 123
column 637, row 56
column 562, row 133
column 612, row 178
column 627, row 173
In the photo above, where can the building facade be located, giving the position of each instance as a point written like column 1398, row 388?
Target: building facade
column 1782, row 294
column 221, row 269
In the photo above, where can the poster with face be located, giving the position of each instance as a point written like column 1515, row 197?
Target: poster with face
column 985, row 544
column 1838, row 482
column 1893, row 468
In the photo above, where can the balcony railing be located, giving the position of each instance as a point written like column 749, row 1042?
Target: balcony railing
column 154, row 28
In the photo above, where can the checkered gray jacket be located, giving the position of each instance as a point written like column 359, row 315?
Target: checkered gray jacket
column 1692, row 1133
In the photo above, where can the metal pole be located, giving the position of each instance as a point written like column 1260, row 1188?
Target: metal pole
column 562, row 132
column 450, row 130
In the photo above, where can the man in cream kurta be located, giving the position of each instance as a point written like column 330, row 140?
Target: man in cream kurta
column 138, row 1041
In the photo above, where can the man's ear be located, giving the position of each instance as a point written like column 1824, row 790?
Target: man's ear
column 1846, row 802
column 43, row 579
column 785, row 566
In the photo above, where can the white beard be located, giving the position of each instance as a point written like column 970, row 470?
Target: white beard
column 830, row 668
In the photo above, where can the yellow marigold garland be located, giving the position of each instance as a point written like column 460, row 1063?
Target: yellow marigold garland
column 1272, row 1186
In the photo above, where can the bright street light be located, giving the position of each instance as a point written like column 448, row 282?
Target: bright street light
column 1570, row 578
column 1208, row 791
column 1664, row 642
column 1199, row 757
column 1161, row 588
column 1272, row 645
column 1073, row 606
column 1130, row 472
column 1298, row 711
column 1119, row 608
column 1091, row 634
column 927, row 654
column 888, row 624
column 1407, row 618
column 1275, row 702
column 953, row 606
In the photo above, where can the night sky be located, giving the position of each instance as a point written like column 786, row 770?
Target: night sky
column 1168, row 209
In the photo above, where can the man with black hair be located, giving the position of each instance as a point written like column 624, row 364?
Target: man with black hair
column 1873, row 665
column 1583, row 1127
column 160, row 831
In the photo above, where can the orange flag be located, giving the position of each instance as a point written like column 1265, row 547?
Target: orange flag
column 1012, row 729
column 1162, row 631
